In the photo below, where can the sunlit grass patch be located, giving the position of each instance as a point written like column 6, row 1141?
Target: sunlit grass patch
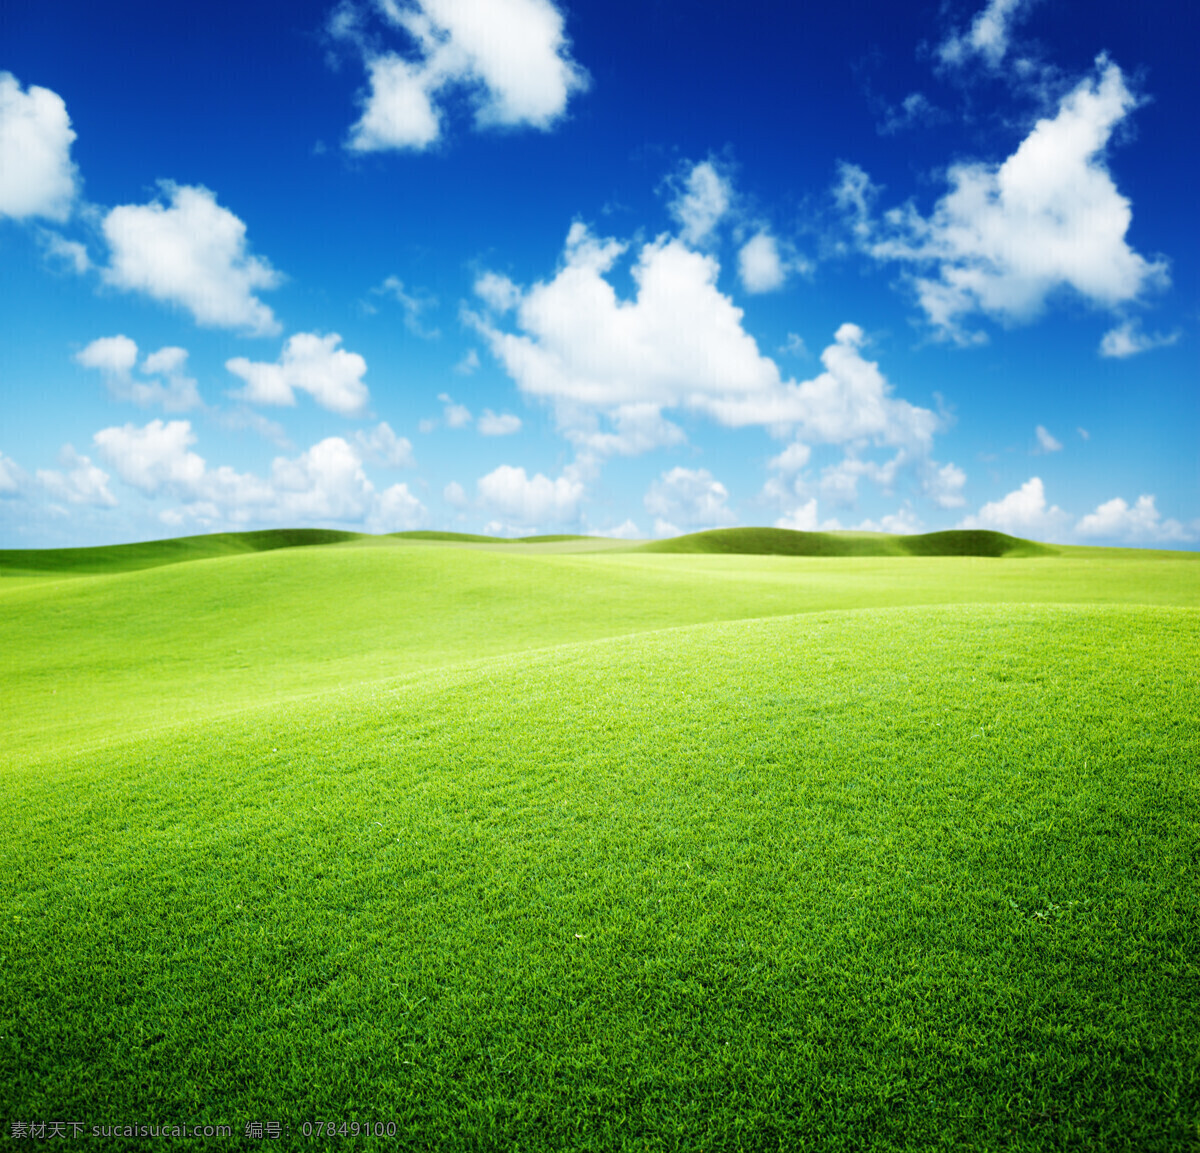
column 903, row 878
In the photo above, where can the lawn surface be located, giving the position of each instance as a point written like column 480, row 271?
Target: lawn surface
column 520, row 847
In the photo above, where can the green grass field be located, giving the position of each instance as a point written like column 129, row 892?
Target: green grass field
column 747, row 841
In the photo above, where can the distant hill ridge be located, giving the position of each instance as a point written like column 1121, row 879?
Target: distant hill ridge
column 786, row 542
column 728, row 541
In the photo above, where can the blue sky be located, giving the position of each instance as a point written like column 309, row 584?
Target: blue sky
column 517, row 266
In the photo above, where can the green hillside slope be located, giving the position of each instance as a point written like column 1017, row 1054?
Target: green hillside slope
column 785, row 542
column 904, row 878
column 191, row 640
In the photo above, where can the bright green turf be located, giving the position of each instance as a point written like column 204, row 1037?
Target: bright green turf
column 909, row 861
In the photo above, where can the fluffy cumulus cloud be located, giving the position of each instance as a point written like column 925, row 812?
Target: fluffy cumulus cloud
column 309, row 363
column 943, row 484
column 509, row 58
column 1140, row 523
column 690, row 498
column 326, row 483
column 1128, row 339
column 79, row 482
column 497, row 424
column 162, row 378
column 190, row 252
column 383, row 445
column 37, row 177
column 1023, row 512
column 761, row 268
column 988, row 37
column 680, row 344
column 530, row 500
column 1007, row 236
column 702, row 198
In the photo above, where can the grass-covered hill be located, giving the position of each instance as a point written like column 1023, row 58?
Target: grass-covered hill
column 745, row 541
column 530, row 847
column 785, row 542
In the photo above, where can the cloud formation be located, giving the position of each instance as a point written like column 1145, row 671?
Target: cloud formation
column 529, row 501
column 690, row 498
column 326, row 483
column 508, row 58
column 309, row 363
column 497, row 424
column 988, row 37
column 79, row 482
column 383, row 445
column 37, row 177
column 162, row 379
column 1023, row 512
column 1136, row 524
column 1128, row 339
column 760, row 266
column 192, row 253
column 703, row 197
column 679, row 344
column 1046, row 441
column 1006, row 237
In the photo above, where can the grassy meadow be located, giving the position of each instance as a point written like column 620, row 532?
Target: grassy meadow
column 751, row 840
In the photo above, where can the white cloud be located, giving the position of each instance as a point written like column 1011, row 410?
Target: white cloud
column 504, row 424
column 413, row 304
column 312, row 364
column 382, row 444
column 153, row 457
column 915, row 109
column 1047, row 442
column 637, row 428
column 792, row 459
column 702, row 199
column 166, row 381
column 111, row 354
column 509, row 58
column 529, row 500
column 760, row 266
column 802, row 518
column 12, row 476
column 190, row 253
column 453, row 494
column 680, row 344
column 943, row 484
column 1021, row 513
column 689, row 497
column 455, row 415
column 396, row 510
column 794, row 345
column 987, row 37
column 37, row 177
column 323, row 484
column 497, row 292
column 850, row 401
column 839, row 482
column 468, row 364
column 903, row 522
column 1141, row 523
column 1128, row 339
column 81, row 482
column 69, row 253
column 1008, row 236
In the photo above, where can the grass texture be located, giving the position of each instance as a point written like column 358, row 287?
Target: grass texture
column 606, row 851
